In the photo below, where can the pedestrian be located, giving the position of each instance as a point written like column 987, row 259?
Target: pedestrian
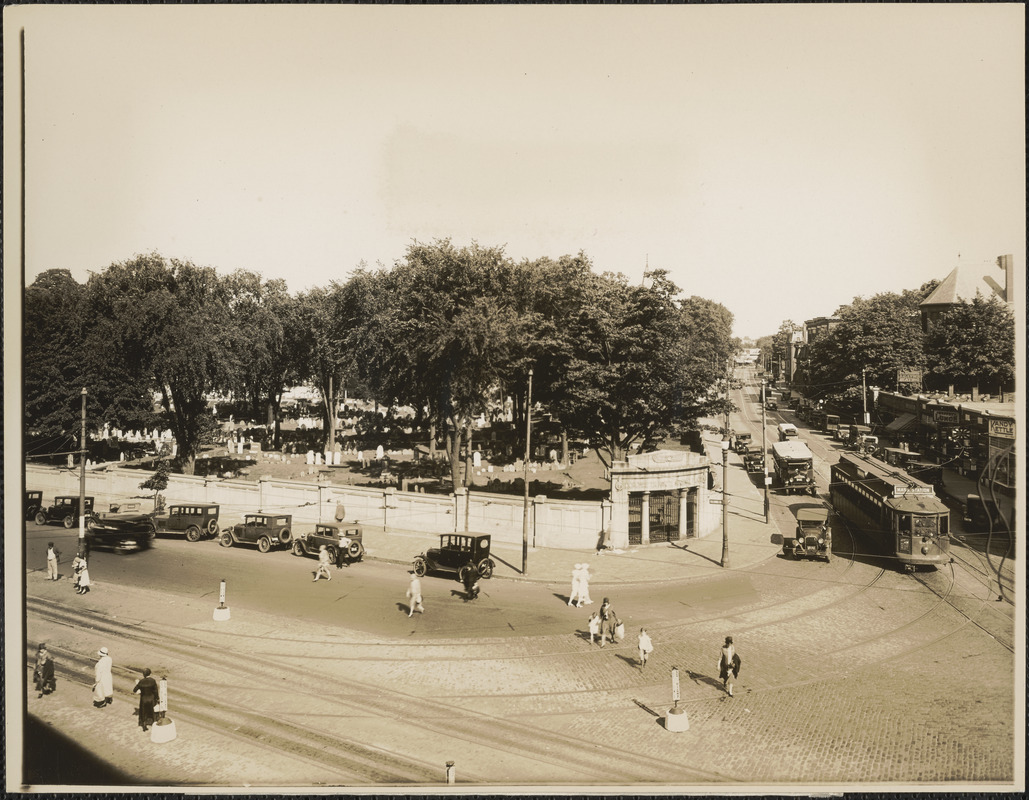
column 584, row 586
column 414, row 593
column 646, row 647
column 103, row 680
column 324, row 562
column 53, row 556
column 728, row 665
column 594, row 624
column 343, row 550
column 608, row 620
column 470, row 577
column 146, row 688
column 574, row 594
column 43, row 672
column 81, row 575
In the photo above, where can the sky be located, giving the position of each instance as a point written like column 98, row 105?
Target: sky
column 778, row 159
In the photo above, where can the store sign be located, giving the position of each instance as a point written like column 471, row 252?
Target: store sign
column 945, row 416
column 909, row 376
column 1002, row 428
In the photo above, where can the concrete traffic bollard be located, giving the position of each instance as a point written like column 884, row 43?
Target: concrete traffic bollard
column 677, row 719
column 163, row 729
column 222, row 612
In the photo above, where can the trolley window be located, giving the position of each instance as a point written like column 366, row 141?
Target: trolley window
column 904, row 523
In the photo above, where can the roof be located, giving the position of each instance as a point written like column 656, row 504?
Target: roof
column 967, row 280
column 812, row 514
column 791, row 450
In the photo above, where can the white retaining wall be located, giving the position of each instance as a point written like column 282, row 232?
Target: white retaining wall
column 567, row 524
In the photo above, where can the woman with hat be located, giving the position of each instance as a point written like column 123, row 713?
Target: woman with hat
column 728, row 665
column 103, row 687
column 147, row 689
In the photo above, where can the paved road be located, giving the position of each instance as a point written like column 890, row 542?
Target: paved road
column 853, row 672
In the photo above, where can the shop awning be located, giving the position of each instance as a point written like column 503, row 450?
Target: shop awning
column 901, row 422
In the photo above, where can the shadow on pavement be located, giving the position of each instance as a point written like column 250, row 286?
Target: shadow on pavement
column 51, row 758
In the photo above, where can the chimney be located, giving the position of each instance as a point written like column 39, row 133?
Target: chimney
column 1004, row 262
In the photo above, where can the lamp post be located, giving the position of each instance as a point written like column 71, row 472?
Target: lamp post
column 764, row 455
column 525, row 479
column 82, row 475
column 725, row 501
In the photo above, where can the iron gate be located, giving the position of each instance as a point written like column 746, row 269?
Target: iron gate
column 664, row 516
column 635, row 518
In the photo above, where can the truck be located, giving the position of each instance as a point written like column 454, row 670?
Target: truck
column 794, row 467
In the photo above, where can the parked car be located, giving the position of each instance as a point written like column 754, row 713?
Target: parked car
column 264, row 530
column 331, row 535
column 457, row 553
column 771, row 405
column 196, row 520
column 33, row 503
column 64, row 510
column 124, row 532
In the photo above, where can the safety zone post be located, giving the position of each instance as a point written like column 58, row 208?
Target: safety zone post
column 677, row 720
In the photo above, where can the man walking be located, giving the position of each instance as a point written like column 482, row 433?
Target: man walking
column 414, row 594
column 103, row 686
column 43, row 674
column 52, row 556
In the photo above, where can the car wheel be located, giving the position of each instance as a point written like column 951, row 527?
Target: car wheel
column 356, row 550
column 212, row 527
column 298, row 548
column 225, row 540
column 420, row 567
column 486, row 568
column 264, row 544
column 285, row 536
column 40, row 518
column 69, row 521
column 333, row 553
column 90, row 523
column 192, row 534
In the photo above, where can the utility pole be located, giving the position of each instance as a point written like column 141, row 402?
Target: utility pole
column 525, row 479
column 764, row 455
column 82, row 476
column 725, row 501
column 864, row 397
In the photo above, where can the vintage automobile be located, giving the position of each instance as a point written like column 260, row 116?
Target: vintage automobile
column 331, row 535
column 124, row 532
column 33, row 503
column 771, row 405
column 457, row 553
column 812, row 538
column 264, row 530
column 64, row 510
column 196, row 520
column 983, row 515
column 742, row 444
column 754, row 460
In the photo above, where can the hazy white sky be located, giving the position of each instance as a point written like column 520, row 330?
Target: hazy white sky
column 777, row 159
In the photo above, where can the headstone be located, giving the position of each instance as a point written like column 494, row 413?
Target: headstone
column 336, row 457
column 476, row 459
column 239, row 448
column 379, row 453
column 310, row 456
column 318, row 459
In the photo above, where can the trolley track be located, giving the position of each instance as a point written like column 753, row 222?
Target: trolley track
column 351, row 699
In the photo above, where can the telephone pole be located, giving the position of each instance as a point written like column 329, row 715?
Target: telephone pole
column 525, row 479
column 82, row 475
column 864, row 397
column 764, row 456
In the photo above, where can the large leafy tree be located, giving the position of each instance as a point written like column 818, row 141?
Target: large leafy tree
column 441, row 332
column 879, row 335
column 170, row 323
column 635, row 359
column 973, row 345
column 52, row 348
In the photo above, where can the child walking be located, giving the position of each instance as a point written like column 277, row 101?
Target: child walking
column 646, row 647
column 324, row 562
column 594, row 623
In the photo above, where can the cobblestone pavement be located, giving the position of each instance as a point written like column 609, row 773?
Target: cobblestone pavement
column 852, row 675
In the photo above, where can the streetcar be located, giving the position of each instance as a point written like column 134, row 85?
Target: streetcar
column 899, row 511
